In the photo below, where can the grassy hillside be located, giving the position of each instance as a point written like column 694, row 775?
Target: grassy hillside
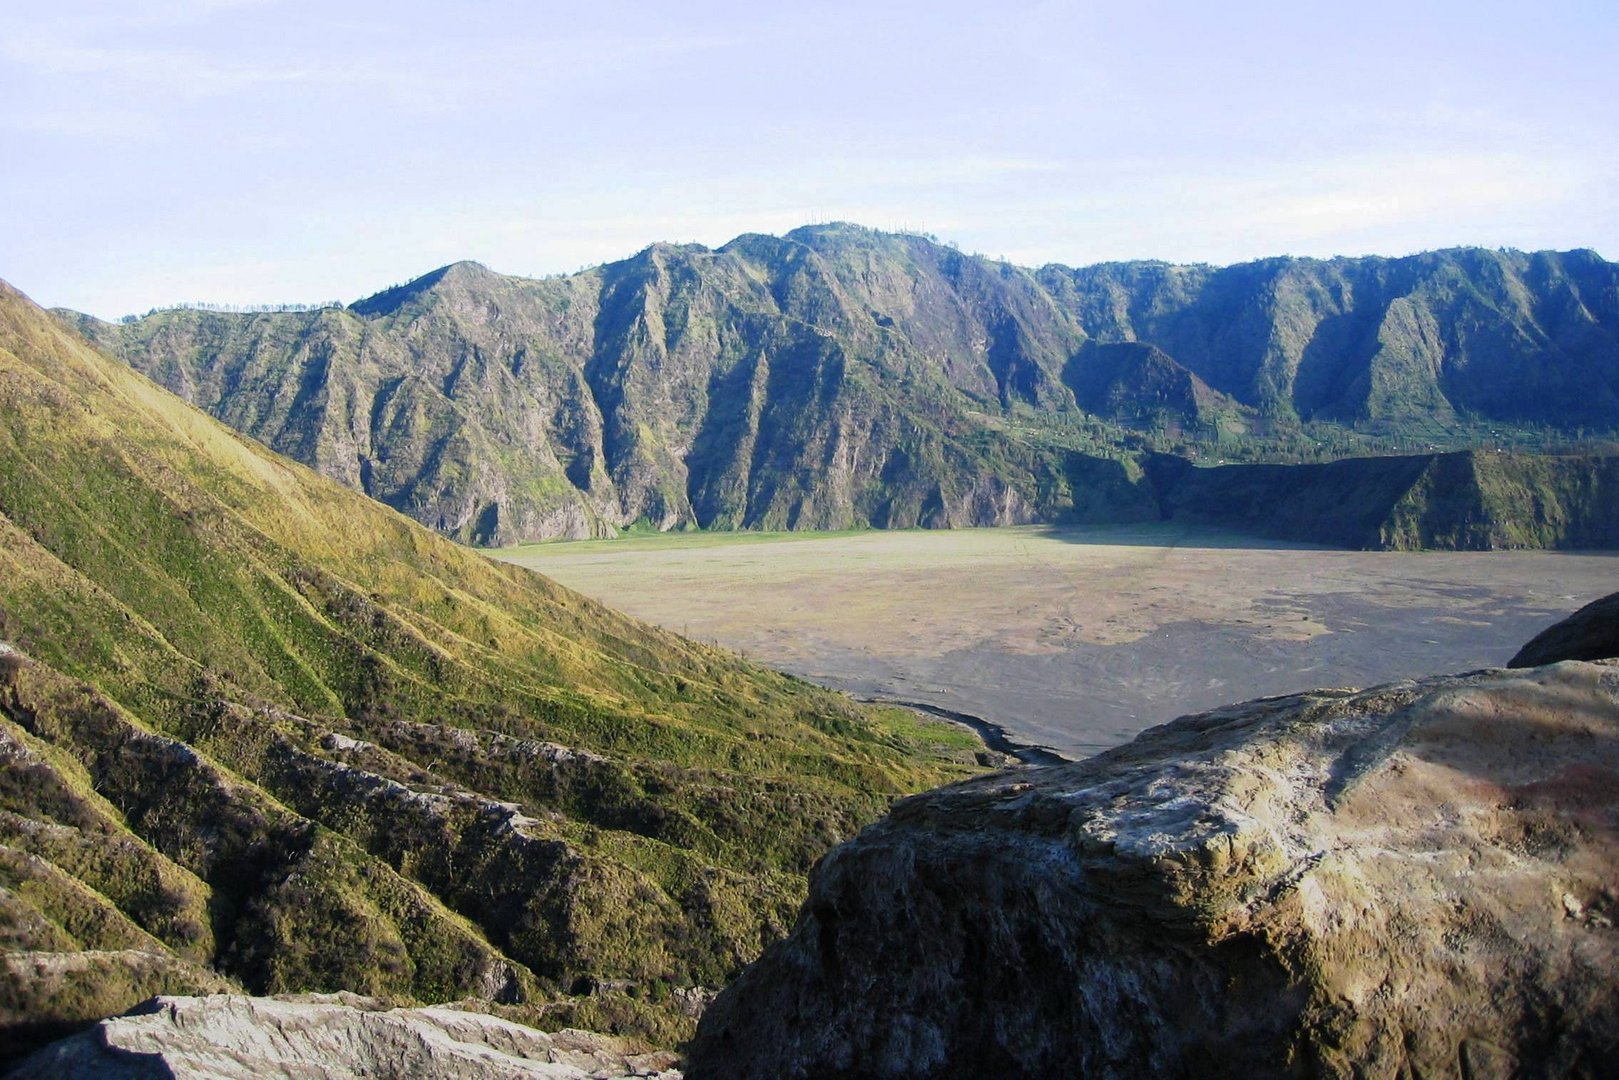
column 259, row 729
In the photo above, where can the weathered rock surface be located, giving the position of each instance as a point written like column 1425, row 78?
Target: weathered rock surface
column 339, row 1035
column 1591, row 633
column 1419, row 879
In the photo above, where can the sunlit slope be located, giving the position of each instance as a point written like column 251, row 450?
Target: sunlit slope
column 838, row 377
column 315, row 716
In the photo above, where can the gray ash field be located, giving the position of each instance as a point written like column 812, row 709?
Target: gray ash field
column 1079, row 638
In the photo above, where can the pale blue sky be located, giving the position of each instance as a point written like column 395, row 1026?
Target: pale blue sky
column 245, row 151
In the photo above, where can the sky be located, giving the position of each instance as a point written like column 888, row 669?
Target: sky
column 273, row 151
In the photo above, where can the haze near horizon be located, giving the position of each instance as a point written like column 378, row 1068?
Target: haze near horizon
column 256, row 151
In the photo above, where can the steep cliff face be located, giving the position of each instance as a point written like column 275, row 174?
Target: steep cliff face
column 1503, row 335
column 819, row 381
column 1418, row 879
column 1471, row 501
column 840, row 377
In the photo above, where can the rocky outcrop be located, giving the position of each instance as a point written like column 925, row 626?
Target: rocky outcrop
column 340, row 1035
column 1591, row 633
column 1418, row 879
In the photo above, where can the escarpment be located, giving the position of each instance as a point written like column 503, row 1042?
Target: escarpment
column 1417, row 879
column 840, row 377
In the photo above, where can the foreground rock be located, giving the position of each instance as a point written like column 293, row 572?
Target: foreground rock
column 1418, row 879
column 1591, row 633
column 340, row 1035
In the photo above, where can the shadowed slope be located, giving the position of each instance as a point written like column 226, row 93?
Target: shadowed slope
column 1591, row 633
column 1469, row 501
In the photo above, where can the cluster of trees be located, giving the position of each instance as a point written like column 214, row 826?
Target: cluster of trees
column 234, row 309
column 1253, row 440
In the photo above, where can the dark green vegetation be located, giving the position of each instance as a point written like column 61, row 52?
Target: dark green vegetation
column 1465, row 501
column 258, row 730
column 839, row 377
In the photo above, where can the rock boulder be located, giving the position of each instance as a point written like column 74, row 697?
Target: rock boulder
column 226, row 1037
column 1417, row 879
column 1591, row 633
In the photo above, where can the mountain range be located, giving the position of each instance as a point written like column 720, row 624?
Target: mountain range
column 842, row 377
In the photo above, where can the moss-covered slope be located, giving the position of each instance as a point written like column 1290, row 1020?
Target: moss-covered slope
column 257, row 728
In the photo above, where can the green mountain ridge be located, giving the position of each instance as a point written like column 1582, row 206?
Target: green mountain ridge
column 1131, row 381
column 1464, row 501
column 260, row 731
column 840, row 377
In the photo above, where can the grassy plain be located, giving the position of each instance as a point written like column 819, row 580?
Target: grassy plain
column 1077, row 638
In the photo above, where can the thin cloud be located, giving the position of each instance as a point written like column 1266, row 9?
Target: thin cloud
column 356, row 144
column 187, row 73
column 1320, row 200
column 58, row 49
